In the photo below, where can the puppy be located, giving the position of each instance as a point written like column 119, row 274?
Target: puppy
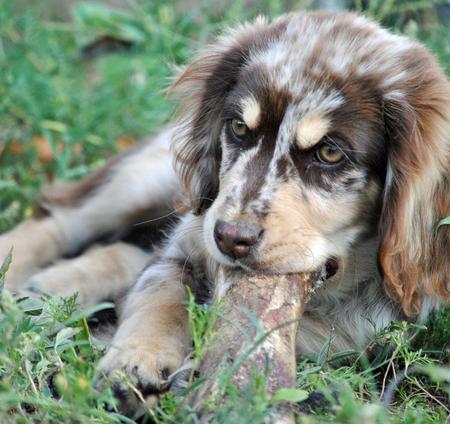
column 319, row 139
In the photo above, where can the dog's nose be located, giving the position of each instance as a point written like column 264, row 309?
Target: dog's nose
column 236, row 238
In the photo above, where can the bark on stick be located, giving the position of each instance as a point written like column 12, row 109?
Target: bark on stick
column 277, row 301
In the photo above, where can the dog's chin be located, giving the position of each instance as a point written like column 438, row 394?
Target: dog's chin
column 326, row 269
column 282, row 269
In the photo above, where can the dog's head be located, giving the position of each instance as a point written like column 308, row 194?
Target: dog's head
column 301, row 136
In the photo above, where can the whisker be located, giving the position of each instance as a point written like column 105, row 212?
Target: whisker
column 155, row 219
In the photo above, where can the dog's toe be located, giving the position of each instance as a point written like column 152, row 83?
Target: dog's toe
column 140, row 374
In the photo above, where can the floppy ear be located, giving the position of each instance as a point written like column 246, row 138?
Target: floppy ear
column 203, row 87
column 414, row 253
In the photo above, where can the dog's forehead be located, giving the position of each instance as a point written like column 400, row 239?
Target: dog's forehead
column 295, row 61
column 318, row 75
column 302, row 109
column 294, row 77
column 317, row 53
column 310, row 71
column 326, row 44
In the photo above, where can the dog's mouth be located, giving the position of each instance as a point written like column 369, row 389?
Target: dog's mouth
column 326, row 271
column 331, row 268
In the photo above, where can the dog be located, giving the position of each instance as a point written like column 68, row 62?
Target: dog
column 316, row 140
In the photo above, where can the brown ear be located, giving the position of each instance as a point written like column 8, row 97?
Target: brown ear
column 203, row 87
column 414, row 253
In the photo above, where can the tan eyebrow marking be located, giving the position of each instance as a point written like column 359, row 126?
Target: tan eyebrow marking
column 310, row 130
column 251, row 112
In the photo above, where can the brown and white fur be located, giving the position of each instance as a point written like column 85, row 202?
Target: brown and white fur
column 302, row 82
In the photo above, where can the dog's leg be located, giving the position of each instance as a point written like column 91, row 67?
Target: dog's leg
column 101, row 273
column 153, row 337
column 136, row 186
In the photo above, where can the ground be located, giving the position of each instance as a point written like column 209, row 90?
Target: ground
column 63, row 112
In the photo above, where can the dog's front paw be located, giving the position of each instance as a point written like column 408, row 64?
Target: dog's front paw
column 147, row 368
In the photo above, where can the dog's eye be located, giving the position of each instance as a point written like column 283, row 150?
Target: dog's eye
column 238, row 127
column 329, row 154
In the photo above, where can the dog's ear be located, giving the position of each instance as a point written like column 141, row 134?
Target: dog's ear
column 414, row 252
column 202, row 88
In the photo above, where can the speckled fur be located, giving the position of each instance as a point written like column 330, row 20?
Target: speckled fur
column 379, row 98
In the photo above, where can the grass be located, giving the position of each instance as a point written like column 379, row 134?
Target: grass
column 61, row 116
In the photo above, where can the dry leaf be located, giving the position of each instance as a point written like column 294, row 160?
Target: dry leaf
column 16, row 148
column 77, row 149
column 124, row 142
column 44, row 149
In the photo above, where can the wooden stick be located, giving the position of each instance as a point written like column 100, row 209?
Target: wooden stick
column 277, row 301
